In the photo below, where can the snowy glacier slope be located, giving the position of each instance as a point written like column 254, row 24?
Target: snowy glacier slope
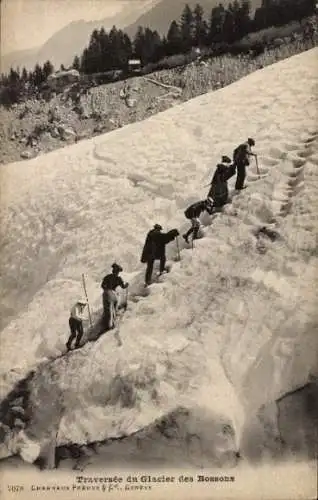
column 230, row 329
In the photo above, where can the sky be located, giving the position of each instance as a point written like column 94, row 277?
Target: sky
column 29, row 23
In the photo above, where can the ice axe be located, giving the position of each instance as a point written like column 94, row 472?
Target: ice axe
column 89, row 311
column 178, row 248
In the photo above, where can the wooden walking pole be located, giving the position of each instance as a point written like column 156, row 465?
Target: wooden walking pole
column 178, row 248
column 126, row 298
column 89, row 311
column 257, row 169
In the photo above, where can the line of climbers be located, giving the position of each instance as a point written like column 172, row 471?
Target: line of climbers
column 155, row 244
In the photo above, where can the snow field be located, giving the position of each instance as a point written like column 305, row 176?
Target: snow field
column 222, row 334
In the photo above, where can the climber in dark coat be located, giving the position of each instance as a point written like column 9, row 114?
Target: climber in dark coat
column 155, row 249
column 241, row 159
column 193, row 213
column 219, row 191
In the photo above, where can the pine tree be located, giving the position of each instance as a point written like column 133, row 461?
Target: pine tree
column 113, row 48
column 123, row 50
column 14, row 76
column 48, row 69
column 127, row 46
column 85, row 61
column 4, row 79
column 147, row 45
column 216, row 27
column 186, row 26
column 229, row 27
column 93, row 54
column 163, row 50
column 104, row 50
column 24, row 75
column 139, row 43
column 107, row 52
column 157, row 45
column 259, row 21
column 120, row 49
column 150, row 45
column 200, row 27
column 243, row 20
column 76, row 63
column 13, row 87
column 174, row 43
column 38, row 76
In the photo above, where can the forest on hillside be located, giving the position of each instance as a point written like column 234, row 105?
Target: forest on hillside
column 108, row 51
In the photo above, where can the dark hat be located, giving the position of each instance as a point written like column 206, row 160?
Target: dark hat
column 157, row 226
column 117, row 267
column 226, row 159
column 251, row 141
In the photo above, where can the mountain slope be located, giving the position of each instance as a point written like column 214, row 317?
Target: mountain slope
column 164, row 12
column 70, row 40
column 18, row 59
column 232, row 327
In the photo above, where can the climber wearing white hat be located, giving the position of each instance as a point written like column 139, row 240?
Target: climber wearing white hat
column 76, row 323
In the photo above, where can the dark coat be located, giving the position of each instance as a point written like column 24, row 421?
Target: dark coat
column 196, row 209
column 111, row 282
column 155, row 244
column 219, row 190
column 241, row 155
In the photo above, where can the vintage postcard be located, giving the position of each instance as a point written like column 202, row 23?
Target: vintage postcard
column 158, row 335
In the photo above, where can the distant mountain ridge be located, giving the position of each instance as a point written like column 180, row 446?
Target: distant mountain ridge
column 71, row 40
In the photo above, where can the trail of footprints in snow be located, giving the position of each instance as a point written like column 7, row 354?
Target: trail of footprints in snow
column 282, row 196
column 282, row 199
column 147, row 184
column 293, row 182
column 284, row 191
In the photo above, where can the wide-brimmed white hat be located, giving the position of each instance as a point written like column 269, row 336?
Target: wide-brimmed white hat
column 82, row 302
